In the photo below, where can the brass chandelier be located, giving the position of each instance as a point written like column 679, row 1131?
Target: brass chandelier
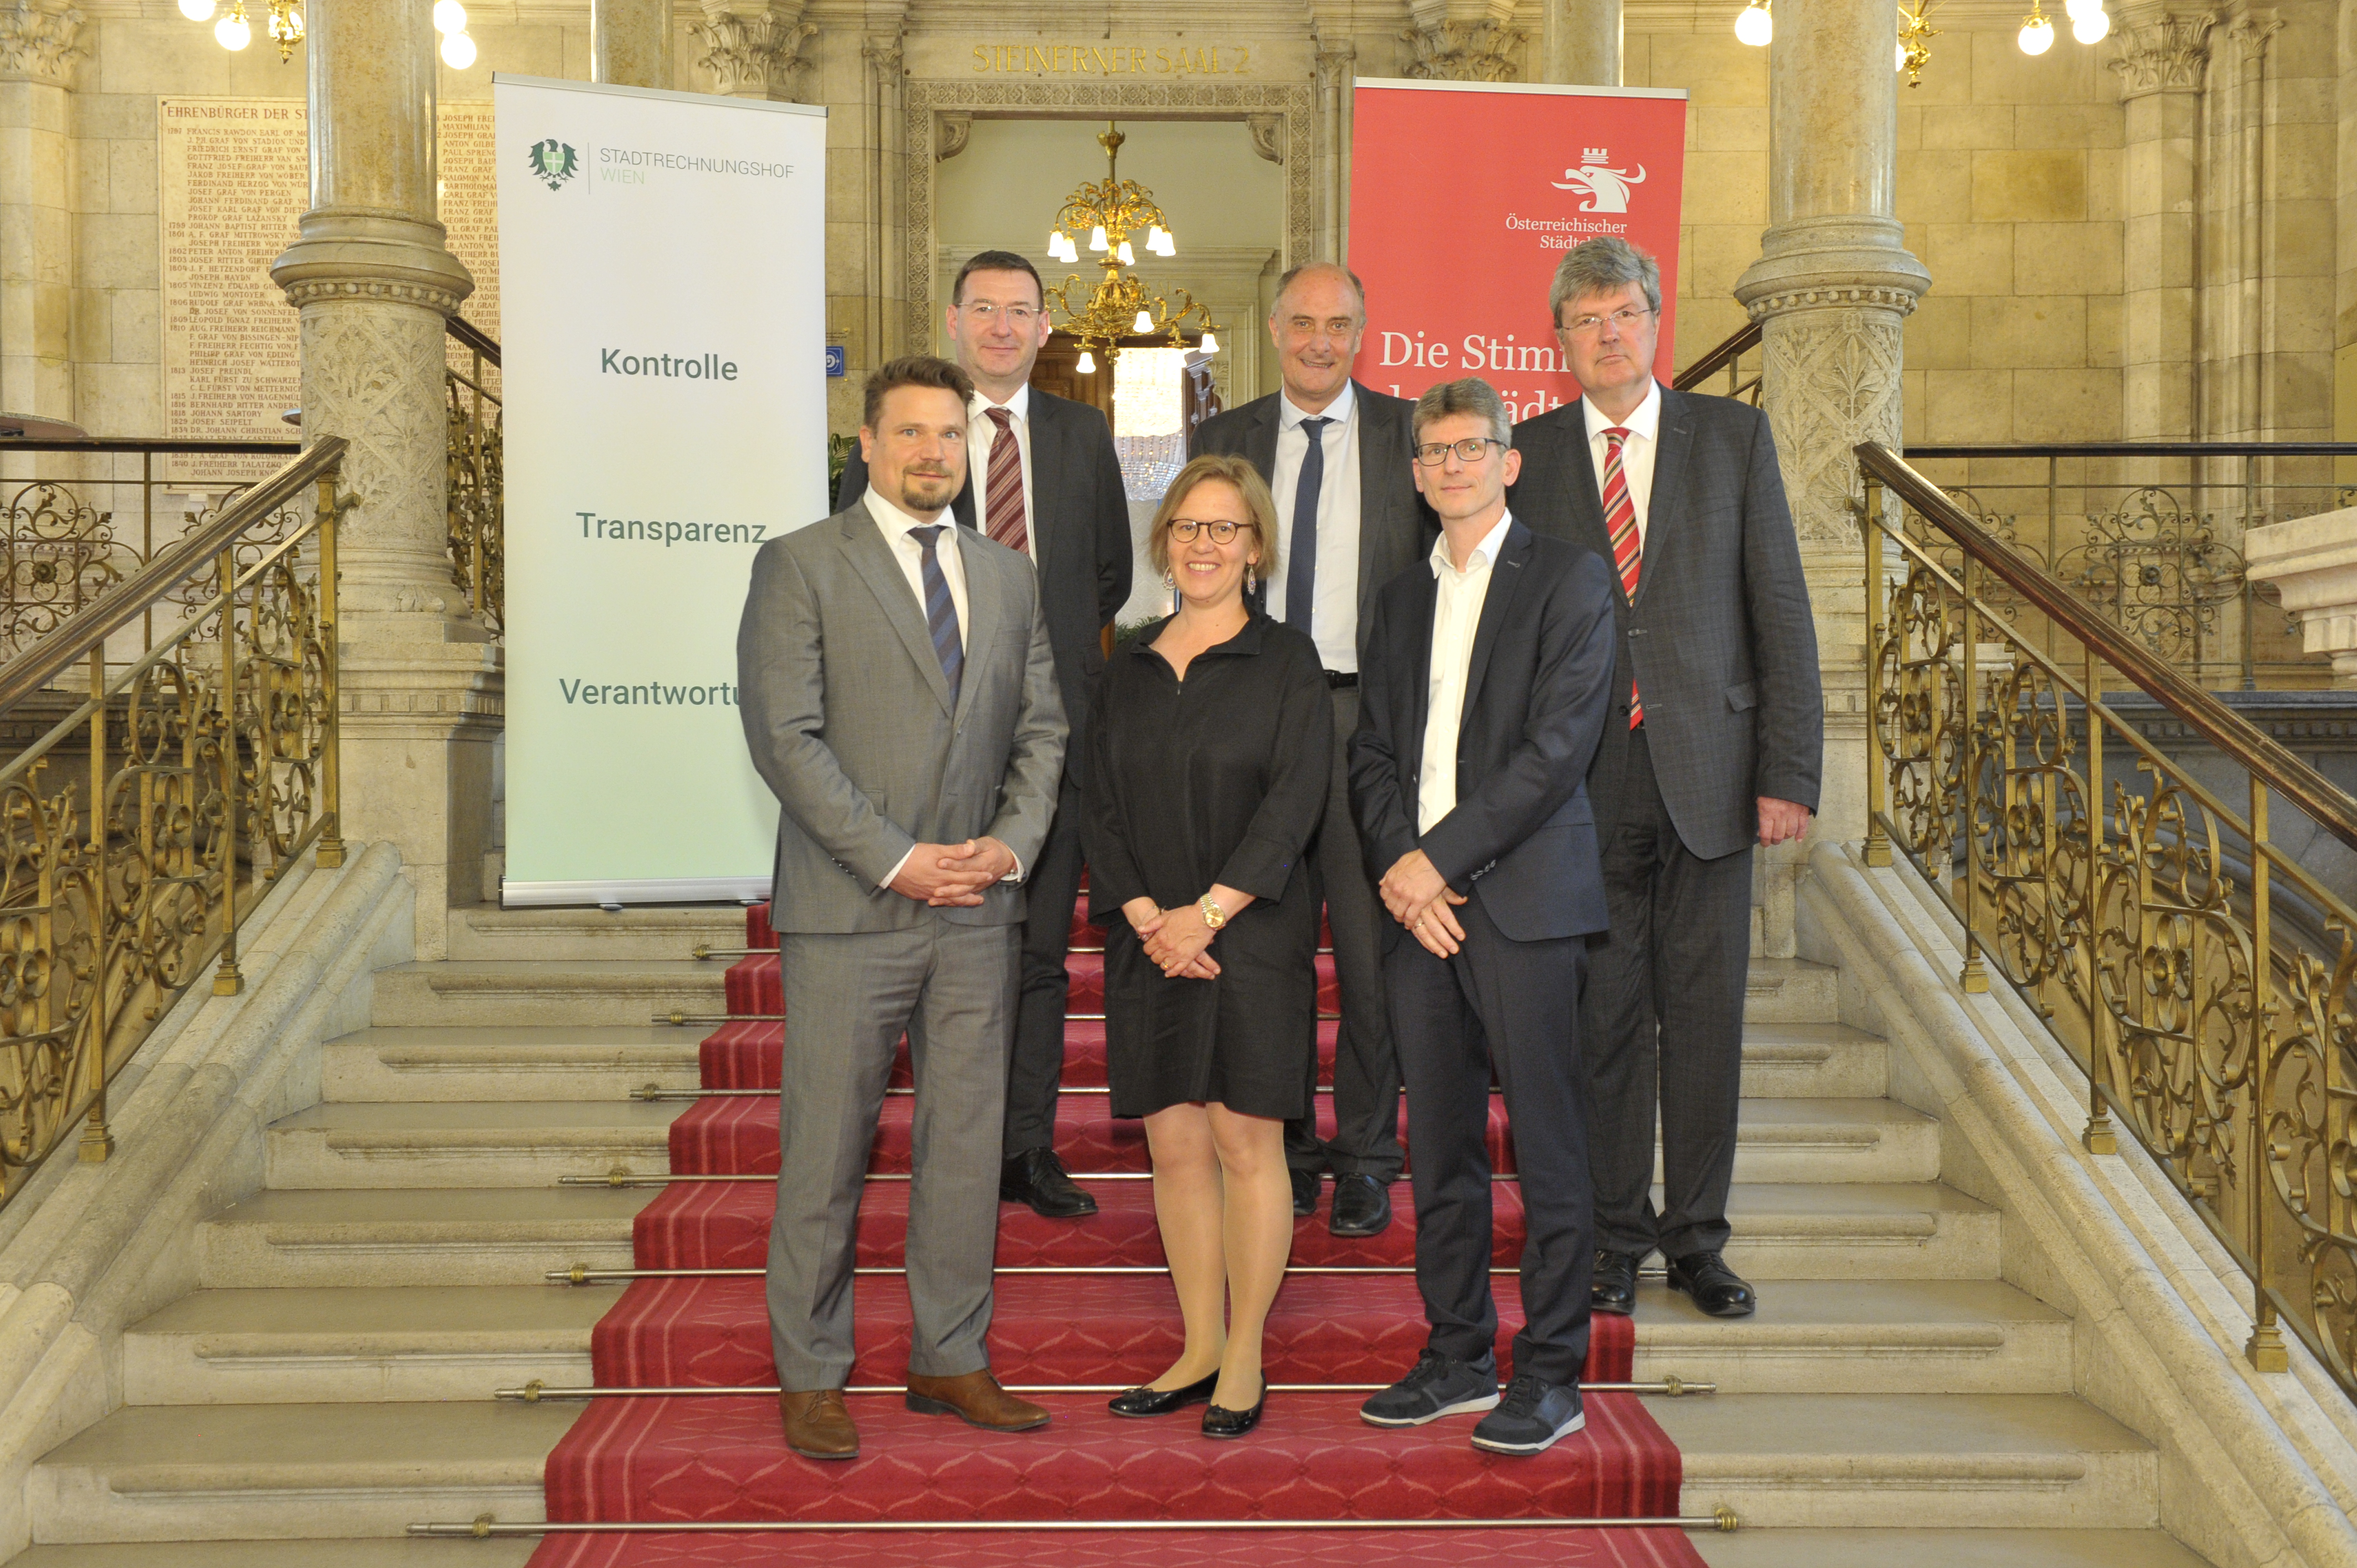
column 1121, row 304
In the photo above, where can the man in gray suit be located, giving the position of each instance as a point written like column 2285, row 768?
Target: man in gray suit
column 1717, row 742
column 899, row 695
column 1339, row 460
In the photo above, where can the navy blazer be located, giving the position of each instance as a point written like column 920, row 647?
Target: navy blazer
column 1522, row 838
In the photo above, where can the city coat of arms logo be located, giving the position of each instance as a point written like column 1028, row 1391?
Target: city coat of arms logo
column 1606, row 188
column 553, row 162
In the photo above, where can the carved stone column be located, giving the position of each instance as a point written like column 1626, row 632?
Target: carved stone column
column 2162, row 56
column 421, row 682
column 631, row 42
column 753, row 49
column 1830, row 289
column 1462, row 40
column 39, row 41
column 1337, row 66
column 1579, row 43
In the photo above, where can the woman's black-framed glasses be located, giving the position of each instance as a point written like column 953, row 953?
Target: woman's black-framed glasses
column 1432, row 454
column 1222, row 531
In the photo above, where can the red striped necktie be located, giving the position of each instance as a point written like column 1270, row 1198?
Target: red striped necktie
column 1621, row 521
column 1003, row 487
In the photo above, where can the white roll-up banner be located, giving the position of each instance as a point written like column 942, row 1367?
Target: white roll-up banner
column 664, row 332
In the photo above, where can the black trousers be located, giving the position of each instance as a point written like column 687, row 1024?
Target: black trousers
column 1512, row 1008
column 1664, row 1024
column 1035, row 1065
column 1366, row 1067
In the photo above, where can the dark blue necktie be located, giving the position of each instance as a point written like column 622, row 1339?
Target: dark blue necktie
column 1301, row 571
column 941, row 611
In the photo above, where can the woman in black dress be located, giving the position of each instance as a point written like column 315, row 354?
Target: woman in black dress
column 1214, row 737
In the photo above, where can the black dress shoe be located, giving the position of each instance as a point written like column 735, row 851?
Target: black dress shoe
column 1219, row 1421
column 1036, row 1177
column 1144, row 1401
column 1362, row 1207
column 1716, row 1288
column 1615, row 1286
column 1305, row 1192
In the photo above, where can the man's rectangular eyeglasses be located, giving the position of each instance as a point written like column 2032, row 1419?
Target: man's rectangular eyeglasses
column 1018, row 317
column 1432, row 454
column 1222, row 531
column 1623, row 320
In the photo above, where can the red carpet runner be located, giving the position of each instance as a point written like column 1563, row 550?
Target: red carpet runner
column 683, row 1460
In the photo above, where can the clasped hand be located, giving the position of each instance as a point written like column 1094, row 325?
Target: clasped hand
column 1419, row 900
column 952, row 875
column 1176, row 940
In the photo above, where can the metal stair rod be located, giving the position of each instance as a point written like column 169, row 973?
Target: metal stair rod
column 535, row 1392
column 1722, row 1519
column 582, row 1274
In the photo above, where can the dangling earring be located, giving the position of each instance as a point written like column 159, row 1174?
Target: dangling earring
column 1171, row 579
column 1249, row 581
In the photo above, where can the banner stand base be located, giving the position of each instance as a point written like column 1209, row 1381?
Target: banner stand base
column 617, row 895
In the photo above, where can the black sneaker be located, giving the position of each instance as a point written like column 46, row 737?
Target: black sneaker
column 1534, row 1413
column 1439, row 1386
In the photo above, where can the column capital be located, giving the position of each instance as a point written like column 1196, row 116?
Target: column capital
column 2160, row 50
column 39, row 41
column 341, row 253
column 1847, row 261
column 753, row 49
column 1444, row 47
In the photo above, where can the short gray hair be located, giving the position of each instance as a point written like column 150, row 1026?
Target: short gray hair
column 1277, row 300
column 1472, row 395
column 1604, row 265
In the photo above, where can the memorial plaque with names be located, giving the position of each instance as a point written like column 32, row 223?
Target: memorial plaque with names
column 234, row 180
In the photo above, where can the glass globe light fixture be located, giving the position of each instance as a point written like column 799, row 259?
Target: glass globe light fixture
column 1128, row 257
column 1754, row 25
column 449, row 17
column 231, row 33
column 197, row 10
column 457, row 50
column 1086, row 364
column 2036, row 34
column 2092, row 26
column 1211, row 343
column 1097, row 238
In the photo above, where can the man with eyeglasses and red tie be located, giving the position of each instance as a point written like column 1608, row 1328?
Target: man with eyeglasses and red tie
column 1050, row 489
column 1715, row 743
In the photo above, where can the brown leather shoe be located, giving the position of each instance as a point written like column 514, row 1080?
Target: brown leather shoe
column 817, row 1424
column 976, row 1399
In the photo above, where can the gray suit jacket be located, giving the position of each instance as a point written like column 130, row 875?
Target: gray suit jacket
column 1395, row 527
column 849, row 720
column 1720, row 638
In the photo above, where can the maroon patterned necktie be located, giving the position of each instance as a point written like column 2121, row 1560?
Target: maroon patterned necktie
column 1621, row 521
column 1003, row 487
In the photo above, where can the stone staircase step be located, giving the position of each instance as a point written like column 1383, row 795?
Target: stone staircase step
column 502, row 1552
column 1861, row 1335
column 231, row 1472
column 1921, row 1461
column 640, row 932
column 545, row 1062
column 1791, row 991
column 1945, row 1549
column 1810, row 1140
column 544, row 992
column 495, row 1236
column 1831, row 1061
column 515, row 1142
column 1843, row 1230
column 323, row 1346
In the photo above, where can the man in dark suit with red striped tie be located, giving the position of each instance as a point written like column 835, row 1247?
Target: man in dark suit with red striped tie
column 1716, row 745
column 1051, row 488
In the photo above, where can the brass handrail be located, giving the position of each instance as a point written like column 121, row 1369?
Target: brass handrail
column 476, row 497
column 1739, row 342
column 213, row 763
column 2218, row 1036
column 473, row 338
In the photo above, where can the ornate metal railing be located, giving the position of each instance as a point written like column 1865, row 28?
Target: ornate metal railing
column 143, row 826
column 477, row 485
column 2123, row 896
column 2150, row 536
column 1729, row 357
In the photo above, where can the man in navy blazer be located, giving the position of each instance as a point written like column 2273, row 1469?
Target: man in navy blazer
column 1488, row 677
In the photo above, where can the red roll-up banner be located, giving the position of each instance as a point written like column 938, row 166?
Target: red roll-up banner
column 1464, row 196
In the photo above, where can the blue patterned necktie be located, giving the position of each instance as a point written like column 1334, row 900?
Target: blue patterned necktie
column 1301, row 571
column 941, row 611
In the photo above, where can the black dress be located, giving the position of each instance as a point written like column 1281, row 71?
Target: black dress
column 1219, row 780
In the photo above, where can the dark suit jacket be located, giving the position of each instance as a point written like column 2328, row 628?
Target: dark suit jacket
column 1522, row 838
column 1082, row 527
column 1720, row 640
column 1395, row 526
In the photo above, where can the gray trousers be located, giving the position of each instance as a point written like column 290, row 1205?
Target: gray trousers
column 848, row 998
column 1035, row 1067
column 1366, row 1066
column 1662, row 1021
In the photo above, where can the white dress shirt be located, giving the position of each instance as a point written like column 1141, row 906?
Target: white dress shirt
column 1455, row 616
column 894, row 525
column 981, row 432
column 1334, row 618
column 1637, row 453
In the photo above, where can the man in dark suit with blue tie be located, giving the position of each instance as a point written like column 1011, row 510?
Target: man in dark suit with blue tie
column 1488, row 677
column 1717, row 743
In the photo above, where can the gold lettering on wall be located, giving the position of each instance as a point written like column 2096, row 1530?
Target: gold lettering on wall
column 1047, row 57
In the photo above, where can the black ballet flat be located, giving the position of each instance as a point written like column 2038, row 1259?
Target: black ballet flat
column 1162, row 1402
column 1221, row 1421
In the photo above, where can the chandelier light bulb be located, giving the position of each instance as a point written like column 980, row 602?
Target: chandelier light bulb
column 231, row 33
column 1086, row 364
column 457, row 50
column 2037, row 35
column 197, row 10
column 2075, row 9
column 1145, row 323
column 1128, row 257
column 1754, row 25
column 1056, row 243
column 1096, row 238
column 449, row 17
column 1211, row 343
column 2092, row 26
